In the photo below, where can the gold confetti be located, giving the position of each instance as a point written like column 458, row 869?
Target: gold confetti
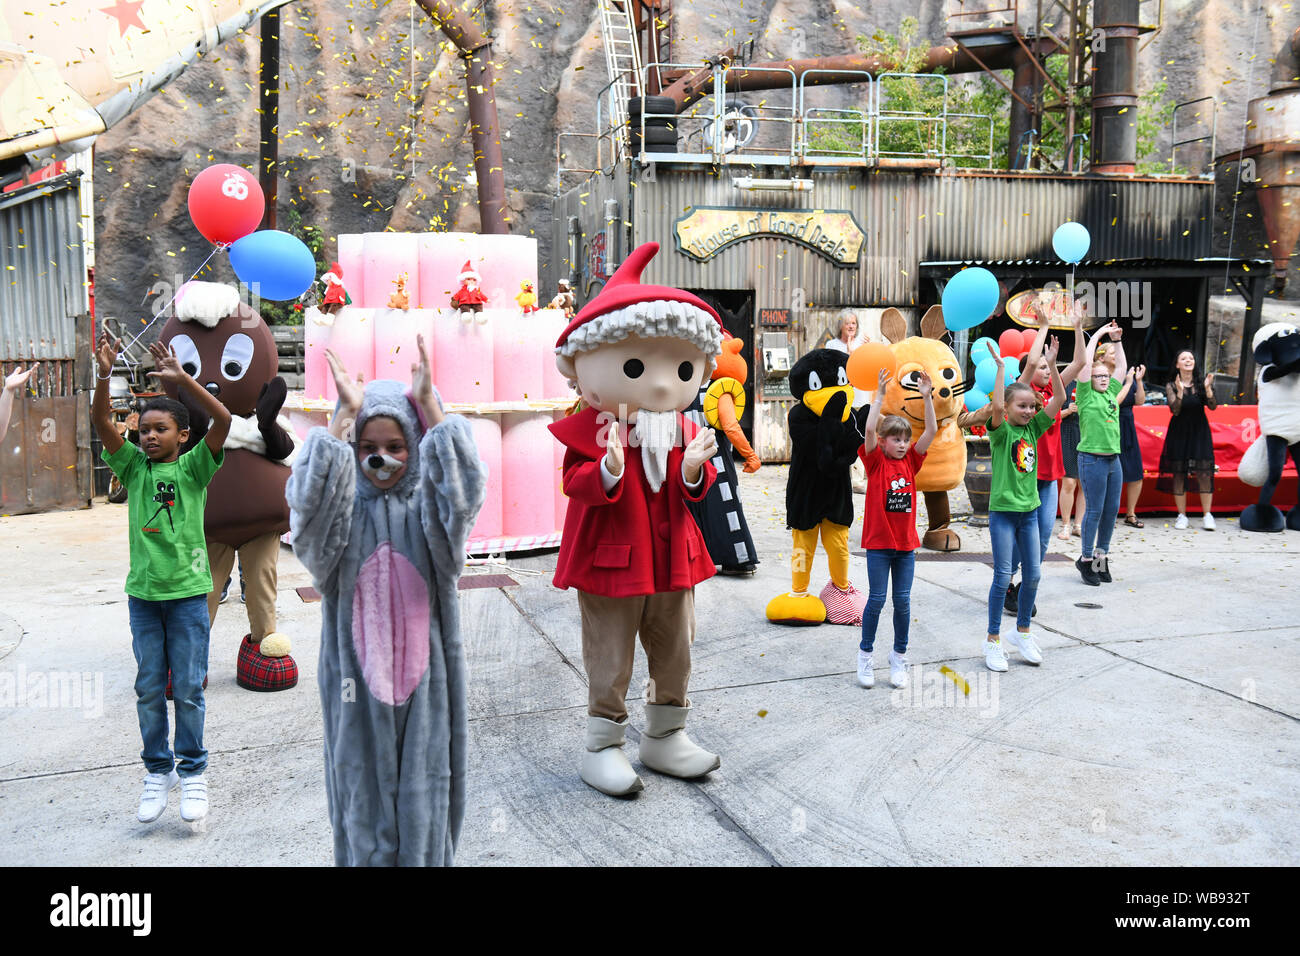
column 956, row 678
column 762, row 713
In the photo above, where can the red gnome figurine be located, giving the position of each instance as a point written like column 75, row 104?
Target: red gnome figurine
column 336, row 297
column 469, row 298
column 639, row 354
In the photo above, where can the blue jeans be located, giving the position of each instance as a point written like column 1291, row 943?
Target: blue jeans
column 1048, row 492
column 1009, row 530
column 880, row 564
column 1102, row 478
column 171, row 635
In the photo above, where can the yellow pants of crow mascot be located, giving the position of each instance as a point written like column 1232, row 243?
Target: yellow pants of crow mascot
column 825, row 435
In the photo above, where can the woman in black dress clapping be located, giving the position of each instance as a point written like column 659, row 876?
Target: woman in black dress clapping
column 1187, row 460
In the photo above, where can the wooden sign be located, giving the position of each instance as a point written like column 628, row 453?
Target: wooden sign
column 704, row 231
column 780, row 317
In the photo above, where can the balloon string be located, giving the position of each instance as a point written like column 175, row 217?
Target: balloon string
column 219, row 247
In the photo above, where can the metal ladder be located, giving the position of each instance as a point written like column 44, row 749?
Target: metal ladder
column 622, row 60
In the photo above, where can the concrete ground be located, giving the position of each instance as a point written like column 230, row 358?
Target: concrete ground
column 1160, row 729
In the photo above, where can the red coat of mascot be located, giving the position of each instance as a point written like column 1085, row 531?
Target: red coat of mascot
column 229, row 350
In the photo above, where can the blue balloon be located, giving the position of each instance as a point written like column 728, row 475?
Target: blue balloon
column 1071, row 241
column 975, row 400
column 276, row 265
column 969, row 298
column 986, row 373
column 978, row 353
column 1013, row 370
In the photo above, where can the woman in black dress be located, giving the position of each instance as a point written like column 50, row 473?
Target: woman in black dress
column 1188, row 456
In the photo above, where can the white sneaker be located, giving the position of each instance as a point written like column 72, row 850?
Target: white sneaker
column 1026, row 646
column 897, row 669
column 1207, row 521
column 994, row 659
column 1181, row 523
column 194, row 798
column 866, row 676
column 153, row 801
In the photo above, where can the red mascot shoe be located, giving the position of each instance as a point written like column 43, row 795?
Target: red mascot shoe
column 266, row 672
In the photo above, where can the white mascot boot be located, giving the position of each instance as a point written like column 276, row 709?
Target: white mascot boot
column 604, row 765
column 666, row 748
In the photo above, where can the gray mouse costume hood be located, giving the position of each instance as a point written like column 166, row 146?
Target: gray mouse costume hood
column 392, row 669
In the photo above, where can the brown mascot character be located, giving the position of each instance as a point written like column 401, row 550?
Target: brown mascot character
column 229, row 350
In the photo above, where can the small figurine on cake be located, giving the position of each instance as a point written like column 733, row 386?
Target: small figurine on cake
column 399, row 299
column 336, row 296
column 527, row 298
column 469, row 298
column 565, row 299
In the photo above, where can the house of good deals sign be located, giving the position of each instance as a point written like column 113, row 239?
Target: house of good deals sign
column 704, row 231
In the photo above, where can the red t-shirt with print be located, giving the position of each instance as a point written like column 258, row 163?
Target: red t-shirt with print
column 889, row 519
column 1051, row 460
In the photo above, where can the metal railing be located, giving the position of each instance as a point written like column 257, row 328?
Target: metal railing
column 1197, row 121
column 867, row 132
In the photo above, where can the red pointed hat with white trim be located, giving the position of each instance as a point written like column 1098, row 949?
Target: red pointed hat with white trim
column 625, row 289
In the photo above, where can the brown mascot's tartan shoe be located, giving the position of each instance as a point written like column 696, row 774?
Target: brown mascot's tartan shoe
column 168, row 691
column 256, row 671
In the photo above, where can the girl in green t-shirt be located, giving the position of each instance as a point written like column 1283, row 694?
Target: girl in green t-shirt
column 1100, row 470
column 1014, row 430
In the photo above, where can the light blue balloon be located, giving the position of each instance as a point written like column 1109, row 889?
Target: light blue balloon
column 1071, row 241
column 975, row 400
column 978, row 353
column 1013, row 370
column 969, row 298
column 279, row 265
column 986, row 373
column 985, row 343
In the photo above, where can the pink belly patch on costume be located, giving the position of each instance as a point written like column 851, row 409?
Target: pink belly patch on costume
column 390, row 625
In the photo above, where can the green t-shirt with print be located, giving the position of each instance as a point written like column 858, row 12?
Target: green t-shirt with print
column 165, row 501
column 1015, row 463
column 1098, row 417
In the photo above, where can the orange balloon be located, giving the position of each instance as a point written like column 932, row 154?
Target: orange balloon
column 866, row 362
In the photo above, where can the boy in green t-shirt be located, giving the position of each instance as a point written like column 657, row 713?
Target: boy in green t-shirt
column 168, row 582
column 1014, row 430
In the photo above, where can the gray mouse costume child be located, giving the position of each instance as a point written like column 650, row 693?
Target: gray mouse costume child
column 392, row 670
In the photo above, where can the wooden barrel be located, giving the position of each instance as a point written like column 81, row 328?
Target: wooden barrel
column 979, row 481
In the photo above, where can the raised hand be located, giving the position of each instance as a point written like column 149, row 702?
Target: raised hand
column 1053, row 347
column 1078, row 313
column 421, row 375
column 351, row 393
column 614, row 451
column 923, row 383
column 1115, row 332
column 882, row 380
column 168, row 369
column 1209, row 383
column 702, row 447
column 996, row 354
column 106, row 354
column 1178, row 385
column 1139, row 372
column 18, row 378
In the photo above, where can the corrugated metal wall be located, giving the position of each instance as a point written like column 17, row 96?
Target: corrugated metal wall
column 909, row 218
column 42, row 270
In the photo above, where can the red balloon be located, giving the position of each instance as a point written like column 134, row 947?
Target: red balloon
column 226, row 203
column 1011, row 344
column 1029, row 335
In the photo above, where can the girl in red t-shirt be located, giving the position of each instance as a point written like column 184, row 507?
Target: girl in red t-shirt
column 889, row 523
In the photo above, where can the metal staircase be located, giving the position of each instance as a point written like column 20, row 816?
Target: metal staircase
column 622, row 60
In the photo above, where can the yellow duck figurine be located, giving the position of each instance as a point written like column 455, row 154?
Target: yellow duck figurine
column 527, row 299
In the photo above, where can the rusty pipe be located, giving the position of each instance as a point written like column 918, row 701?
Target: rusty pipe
column 475, row 48
column 1286, row 71
column 834, row 70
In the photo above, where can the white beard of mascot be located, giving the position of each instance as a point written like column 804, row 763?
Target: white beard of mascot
column 1277, row 351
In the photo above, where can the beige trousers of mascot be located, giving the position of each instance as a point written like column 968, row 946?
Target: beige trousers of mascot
column 258, row 558
column 666, row 623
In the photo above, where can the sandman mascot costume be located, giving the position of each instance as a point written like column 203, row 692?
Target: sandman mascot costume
column 637, row 355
